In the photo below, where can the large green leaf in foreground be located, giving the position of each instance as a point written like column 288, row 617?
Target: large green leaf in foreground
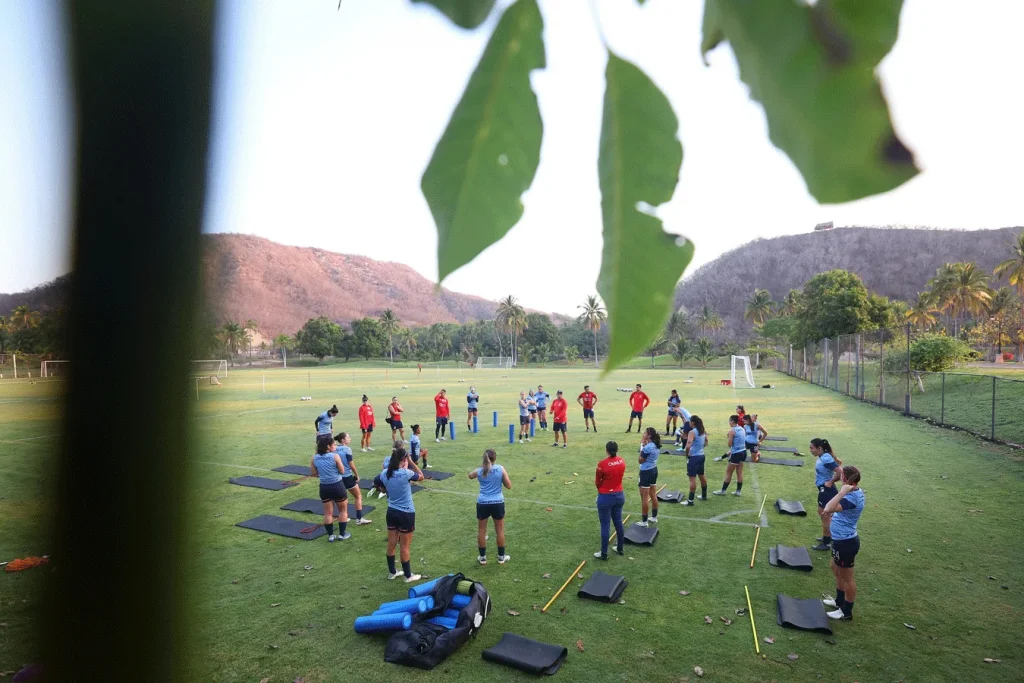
column 464, row 13
column 489, row 152
column 638, row 167
column 813, row 69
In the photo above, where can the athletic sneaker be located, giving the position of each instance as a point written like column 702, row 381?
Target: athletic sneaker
column 565, row 445
column 369, row 448
column 702, row 497
column 822, row 546
column 554, row 445
column 521, row 441
column 653, row 520
column 599, row 556
column 442, row 438
column 363, row 449
column 737, row 493
column 393, row 576
column 642, row 524
column 830, row 602
column 502, row 559
column 437, row 440
column 839, row 615
column 363, row 520
column 344, row 537
column 529, row 439
column 428, row 466
column 688, row 502
column 482, row 559
column 718, row 493
column 330, row 539
column 628, row 431
column 414, row 577
column 382, row 494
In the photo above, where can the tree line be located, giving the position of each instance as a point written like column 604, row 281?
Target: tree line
column 31, row 332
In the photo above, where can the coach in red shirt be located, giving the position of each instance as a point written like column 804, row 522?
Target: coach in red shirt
column 610, row 497
column 559, row 413
column 588, row 399
column 638, row 400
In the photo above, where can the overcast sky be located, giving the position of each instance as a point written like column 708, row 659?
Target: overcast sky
column 324, row 121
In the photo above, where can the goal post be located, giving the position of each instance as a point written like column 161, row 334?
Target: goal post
column 494, row 362
column 210, row 368
column 745, row 377
column 53, row 368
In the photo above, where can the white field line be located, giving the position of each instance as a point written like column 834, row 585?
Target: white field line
column 246, row 412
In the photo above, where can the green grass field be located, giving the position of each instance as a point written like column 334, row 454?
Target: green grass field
column 942, row 517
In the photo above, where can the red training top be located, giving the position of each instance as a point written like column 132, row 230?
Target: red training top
column 589, row 398
column 441, row 405
column 558, row 410
column 609, row 475
column 366, row 416
column 638, row 401
column 395, row 410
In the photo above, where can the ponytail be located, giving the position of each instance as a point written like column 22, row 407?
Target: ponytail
column 697, row 424
column 654, row 437
column 823, row 444
column 489, row 457
column 397, row 456
column 323, row 443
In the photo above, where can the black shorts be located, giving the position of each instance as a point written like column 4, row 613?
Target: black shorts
column 472, row 411
column 695, row 465
column 367, row 430
column 493, row 510
column 737, row 458
column 533, row 411
column 397, row 424
column 415, row 457
column 588, row 412
column 753, row 448
column 825, row 494
column 524, row 419
column 637, row 414
column 443, row 421
column 378, row 483
column 648, row 477
column 843, row 552
column 402, row 522
column 350, row 482
column 335, row 491
column 559, row 427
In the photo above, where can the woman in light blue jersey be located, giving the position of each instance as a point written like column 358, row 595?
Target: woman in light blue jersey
column 401, row 517
column 324, row 422
column 327, row 465
column 753, row 435
column 696, row 441
column 490, row 504
column 650, row 448
column 416, row 450
column 674, row 402
column 826, row 474
column 350, row 475
column 845, row 508
column 736, row 440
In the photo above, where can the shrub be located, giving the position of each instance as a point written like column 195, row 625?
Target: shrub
column 1007, row 357
column 930, row 353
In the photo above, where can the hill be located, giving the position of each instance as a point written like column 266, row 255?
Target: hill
column 894, row 262
column 45, row 298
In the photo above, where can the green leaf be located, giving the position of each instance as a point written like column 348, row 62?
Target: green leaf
column 711, row 30
column 813, row 69
column 489, row 152
column 638, row 167
column 463, row 13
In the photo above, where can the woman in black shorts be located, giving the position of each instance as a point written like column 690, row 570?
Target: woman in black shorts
column 491, row 504
column 401, row 517
column 826, row 474
column 327, row 465
column 845, row 508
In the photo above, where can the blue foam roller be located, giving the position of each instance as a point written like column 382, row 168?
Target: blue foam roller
column 511, row 433
column 451, row 428
column 412, row 605
column 476, row 427
column 424, row 588
column 495, row 418
column 460, row 601
column 442, row 621
column 532, row 423
column 451, row 614
column 376, row 623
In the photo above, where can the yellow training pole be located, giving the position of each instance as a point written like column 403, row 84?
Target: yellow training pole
column 571, row 577
column 661, row 489
column 615, row 533
column 750, row 611
column 762, row 506
column 754, row 554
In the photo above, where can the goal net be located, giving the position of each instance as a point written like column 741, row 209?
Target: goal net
column 745, row 377
column 210, row 368
column 499, row 362
column 53, row 368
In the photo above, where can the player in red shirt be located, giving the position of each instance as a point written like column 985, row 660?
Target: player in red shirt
column 638, row 400
column 441, row 413
column 610, row 498
column 559, row 414
column 366, row 423
column 588, row 399
column 395, row 411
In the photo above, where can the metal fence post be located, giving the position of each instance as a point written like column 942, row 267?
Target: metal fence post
column 881, row 367
column 849, row 369
column 993, row 436
column 826, row 366
column 906, row 397
column 942, row 415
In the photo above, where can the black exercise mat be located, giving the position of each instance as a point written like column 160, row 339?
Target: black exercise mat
column 791, row 558
column 436, row 476
column 638, row 535
column 262, row 483
column 667, row 496
column 806, row 615
column 603, row 587
column 776, row 438
column 293, row 469
column 779, row 449
column 527, row 655
column 672, row 451
column 282, row 526
column 315, row 507
column 790, row 507
column 776, row 461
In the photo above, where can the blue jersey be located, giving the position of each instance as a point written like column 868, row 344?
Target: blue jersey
column 697, row 448
column 750, row 433
column 326, row 468
column 399, row 489
column 414, row 445
column 738, row 439
column 490, row 485
column 346, row 459
column 542, row 399
column 324, row 423
column 531, row 400
column 650, row 453
column 471, row 399
column 684, row 412
column 824, row 469
column 844, row 522
column 673, row 405
column 524, row 409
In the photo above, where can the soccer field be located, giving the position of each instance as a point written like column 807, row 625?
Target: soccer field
column 940, row 542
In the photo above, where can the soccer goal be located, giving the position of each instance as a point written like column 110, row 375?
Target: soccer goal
column 745, row 378
column 494, row 362
column 53, row 368
column 210, row 368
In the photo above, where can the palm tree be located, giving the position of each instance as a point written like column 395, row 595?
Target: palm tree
column 544, row 352
column 656, row 347
column 1004, row 300
column 571, row 354
column 1013, row 270
column 234, row 337
column 789, row 303
column 250, row 326
column 678, row 325
column 682, row 349
column 407, row 340
column 527, row 351
column 592, row 317
column 389, row 323
column 759, row 307
column 921, row 314
column 962, row 288
column 703, row 316
column 704, row 351
column 22, row 318
column 511, row 318
column 5, row 329
column 441, row 338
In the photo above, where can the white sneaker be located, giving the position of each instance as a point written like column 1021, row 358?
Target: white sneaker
column 718, row 493
column 429, row 467
column 520, row 441
column 345, row 536
column 642, row 525
column 653, row 520
column 836, row 614
column 393, row 576
column 363, row 520
column 442, row 438
column 830, row 602
column 529, row 439
column 737, row 493
column 437, row 440
column 382, row 494
column 702, row 497
column 414, row 577
column 363, row 450
column 502, row 559
column 687, row 502
column 369, row 448
column 331, row 538
column 482, row 559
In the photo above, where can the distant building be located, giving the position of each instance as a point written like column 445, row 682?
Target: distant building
column 823, row 226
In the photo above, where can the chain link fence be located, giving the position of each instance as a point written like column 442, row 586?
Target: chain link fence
column 875, row 367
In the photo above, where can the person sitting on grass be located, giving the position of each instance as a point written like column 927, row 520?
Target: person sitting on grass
column 845, row 508
column 490, row 504
column 696, row 441
column 327, row 466
column 415, row 450
column 737, row 455
column 401, row 517
column 610, row 498
column 826, row 474
column 559, row 413
column 350, row 476
column 650, row 448
column 366, row 423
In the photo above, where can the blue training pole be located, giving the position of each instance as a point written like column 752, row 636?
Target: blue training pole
column 476, row 427
column 495, row 418
column 451, row 429
column 532, row 421
column 511, row 433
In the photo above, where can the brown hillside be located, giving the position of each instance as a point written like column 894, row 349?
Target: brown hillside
column 282, row 287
